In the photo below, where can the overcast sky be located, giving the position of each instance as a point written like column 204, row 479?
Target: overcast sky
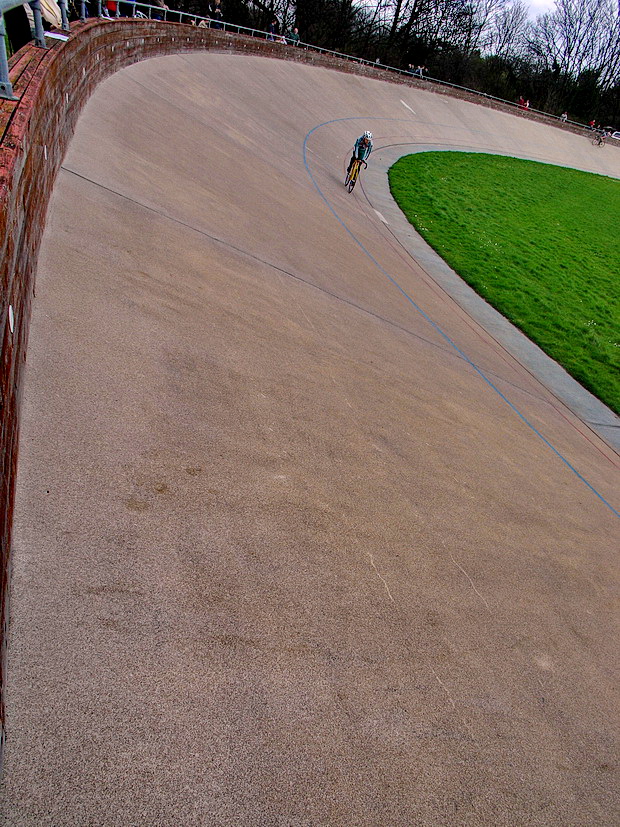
column 539, row 7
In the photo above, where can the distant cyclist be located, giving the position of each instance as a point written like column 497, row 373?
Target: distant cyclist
column 362, row 149
column 600, row 137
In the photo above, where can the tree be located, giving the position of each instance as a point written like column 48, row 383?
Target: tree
column 579, row 35
column 506, row 31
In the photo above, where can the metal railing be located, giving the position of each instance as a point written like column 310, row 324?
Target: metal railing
column 146, row 11
column 6, row 89
column 159, row 13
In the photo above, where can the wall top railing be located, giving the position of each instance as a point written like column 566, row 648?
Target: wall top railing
column 6, row 88
column 162, row 13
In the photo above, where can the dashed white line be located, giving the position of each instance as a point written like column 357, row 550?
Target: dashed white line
column 380, row 216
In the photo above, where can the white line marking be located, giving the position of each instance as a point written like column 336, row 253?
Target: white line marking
column 473, row 585
column 382, row 579
column 380, row 216
column 444, row 687
column 345, row 398
column 407, row 105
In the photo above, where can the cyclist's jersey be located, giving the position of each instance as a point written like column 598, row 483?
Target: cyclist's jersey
column 362, row 151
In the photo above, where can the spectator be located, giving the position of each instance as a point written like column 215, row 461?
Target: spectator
column 74, row 10
column 293, row 37
column 564, row 117
column 128, row 8
column 158, row 15
column 51, row 18
column 50, row 12
column 591, row 124
column 272, row 30
column 216, row 14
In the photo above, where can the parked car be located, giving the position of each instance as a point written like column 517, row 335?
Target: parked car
column 615, row 135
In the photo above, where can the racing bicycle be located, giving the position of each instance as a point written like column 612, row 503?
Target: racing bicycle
column 599, row 140
column 353, row 175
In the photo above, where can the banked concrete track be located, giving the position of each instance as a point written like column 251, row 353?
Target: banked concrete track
column 282, row 555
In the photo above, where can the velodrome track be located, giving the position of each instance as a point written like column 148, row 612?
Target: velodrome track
column 283, row 553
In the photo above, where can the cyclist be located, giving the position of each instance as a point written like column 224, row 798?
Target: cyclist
column 600, row 137
column 362, row 149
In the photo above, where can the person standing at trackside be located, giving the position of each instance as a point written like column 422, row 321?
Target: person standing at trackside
column 293, row 37
column 216, row 14
column 157, row 14
column 362, row 149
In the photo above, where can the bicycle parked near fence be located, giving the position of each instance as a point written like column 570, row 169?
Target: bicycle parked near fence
column 353, row 175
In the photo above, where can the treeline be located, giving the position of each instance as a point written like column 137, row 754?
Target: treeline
column 566, row 60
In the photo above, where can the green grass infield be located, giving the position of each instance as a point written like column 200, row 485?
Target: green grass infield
column 540, row 243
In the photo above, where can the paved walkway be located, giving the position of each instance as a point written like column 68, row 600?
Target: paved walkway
column 282, row 555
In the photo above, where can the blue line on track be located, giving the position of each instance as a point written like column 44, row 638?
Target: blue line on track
column 426, row 316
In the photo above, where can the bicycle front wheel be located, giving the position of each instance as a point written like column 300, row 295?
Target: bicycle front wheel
column 355, row 171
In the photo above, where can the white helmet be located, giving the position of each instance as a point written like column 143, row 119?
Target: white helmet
column 368, row 135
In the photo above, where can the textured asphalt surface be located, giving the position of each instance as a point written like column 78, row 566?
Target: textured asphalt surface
column 282, row 554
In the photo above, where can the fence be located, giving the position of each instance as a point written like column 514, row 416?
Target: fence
column 6, row 89
column 146, row 11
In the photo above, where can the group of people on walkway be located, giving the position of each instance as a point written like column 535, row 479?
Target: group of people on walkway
column 273, row 33
column 418, row 71
column 127, row 8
